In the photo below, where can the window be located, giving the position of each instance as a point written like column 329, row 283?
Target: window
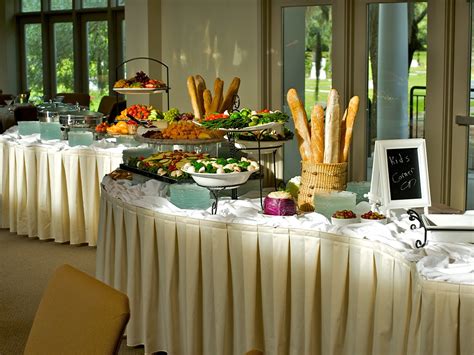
column 64, row 49
column 34, row 59
column 397, row 65
column 30, row 5
column 307, row 65
column 64, row 57
column 61, row 4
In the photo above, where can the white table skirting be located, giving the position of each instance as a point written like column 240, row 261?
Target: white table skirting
column 51, row 191
column 207, row 287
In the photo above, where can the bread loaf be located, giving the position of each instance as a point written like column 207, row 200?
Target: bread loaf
column 343, row 136
column 229, row 96
column 217, row 99
column 301, row 124
column 352, row 110
column 200, row 87
column 207, row 98
column 332, row 129
column 193, row 96
column 317, row 133
column 200, row 80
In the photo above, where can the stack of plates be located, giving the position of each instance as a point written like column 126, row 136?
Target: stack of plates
column 189, row 196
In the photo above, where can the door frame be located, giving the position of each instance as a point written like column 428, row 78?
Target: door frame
column 459, row 137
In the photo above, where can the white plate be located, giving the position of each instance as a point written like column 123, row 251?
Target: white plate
column 266, row 147
column 216, row 180
column 381, row 221
column 138, row 90
column 344, row 221
column 246, row 129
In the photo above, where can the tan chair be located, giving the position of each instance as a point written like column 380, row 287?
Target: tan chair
column 254, row 352
column 78, row 314
column 110, row 107
column 75, row 97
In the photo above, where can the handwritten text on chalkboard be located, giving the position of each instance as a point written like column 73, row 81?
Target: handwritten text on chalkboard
column 404, row 173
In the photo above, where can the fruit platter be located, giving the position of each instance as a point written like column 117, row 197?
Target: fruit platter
column 244, row 120
column 140, row 83
column 140, row 113
column 220, row 172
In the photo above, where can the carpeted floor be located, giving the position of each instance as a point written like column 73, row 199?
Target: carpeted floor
column 26, row 264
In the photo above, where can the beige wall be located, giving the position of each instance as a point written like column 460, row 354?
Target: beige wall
column 8, row 53
column 209, row 37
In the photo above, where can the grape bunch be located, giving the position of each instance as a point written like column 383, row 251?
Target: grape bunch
column 171, row 115
column 186, row 116
column 141, row 77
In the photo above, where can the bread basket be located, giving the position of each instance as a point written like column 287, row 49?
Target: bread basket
column 319, row 177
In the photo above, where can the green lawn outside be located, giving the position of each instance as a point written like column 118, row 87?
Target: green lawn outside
column 417, row 77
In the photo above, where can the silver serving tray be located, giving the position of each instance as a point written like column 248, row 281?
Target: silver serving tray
column 80, row 119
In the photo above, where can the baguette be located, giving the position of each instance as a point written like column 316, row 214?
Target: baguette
column 317, row 133
column 332, row 129
column 200, row 87
column 207, row 98
column 229, row 96
column 301, row 124
column 199, row 79
column 217, row 99
column 193, row 95
column 343, row 136
column 351, row 116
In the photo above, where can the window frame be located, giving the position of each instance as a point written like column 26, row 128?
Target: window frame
column 112, row 14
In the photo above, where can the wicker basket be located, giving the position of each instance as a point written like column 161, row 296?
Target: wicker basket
column 319, row 178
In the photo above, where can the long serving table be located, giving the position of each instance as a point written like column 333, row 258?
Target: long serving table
column 50, row 190
column 201, row 284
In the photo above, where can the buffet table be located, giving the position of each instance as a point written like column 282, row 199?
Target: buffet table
column 223, row 284
column 50, row 190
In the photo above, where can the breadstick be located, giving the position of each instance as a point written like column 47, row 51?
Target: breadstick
column 332, row 129
column 217, row 99
column 199, row 79
column 317, row 133
column 200, row 87
column 351, row 116
column 301, row 124
column 207, row 97
column 193, row 95
column 343, row 136
column 229, row 96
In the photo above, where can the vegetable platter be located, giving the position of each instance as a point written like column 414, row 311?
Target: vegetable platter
column 244, row 120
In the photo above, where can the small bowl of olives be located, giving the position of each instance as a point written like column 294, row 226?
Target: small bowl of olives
column 373, row 217
column 343, row 218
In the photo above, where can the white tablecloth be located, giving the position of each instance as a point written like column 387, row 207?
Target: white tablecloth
column 200, row 286
column 50, row 190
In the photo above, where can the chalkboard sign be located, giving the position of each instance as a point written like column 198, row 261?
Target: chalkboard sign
column 400, row 174
column 403, row 173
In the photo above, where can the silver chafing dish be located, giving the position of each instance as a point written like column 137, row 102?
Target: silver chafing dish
column 79, row 120
column 49, row 112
